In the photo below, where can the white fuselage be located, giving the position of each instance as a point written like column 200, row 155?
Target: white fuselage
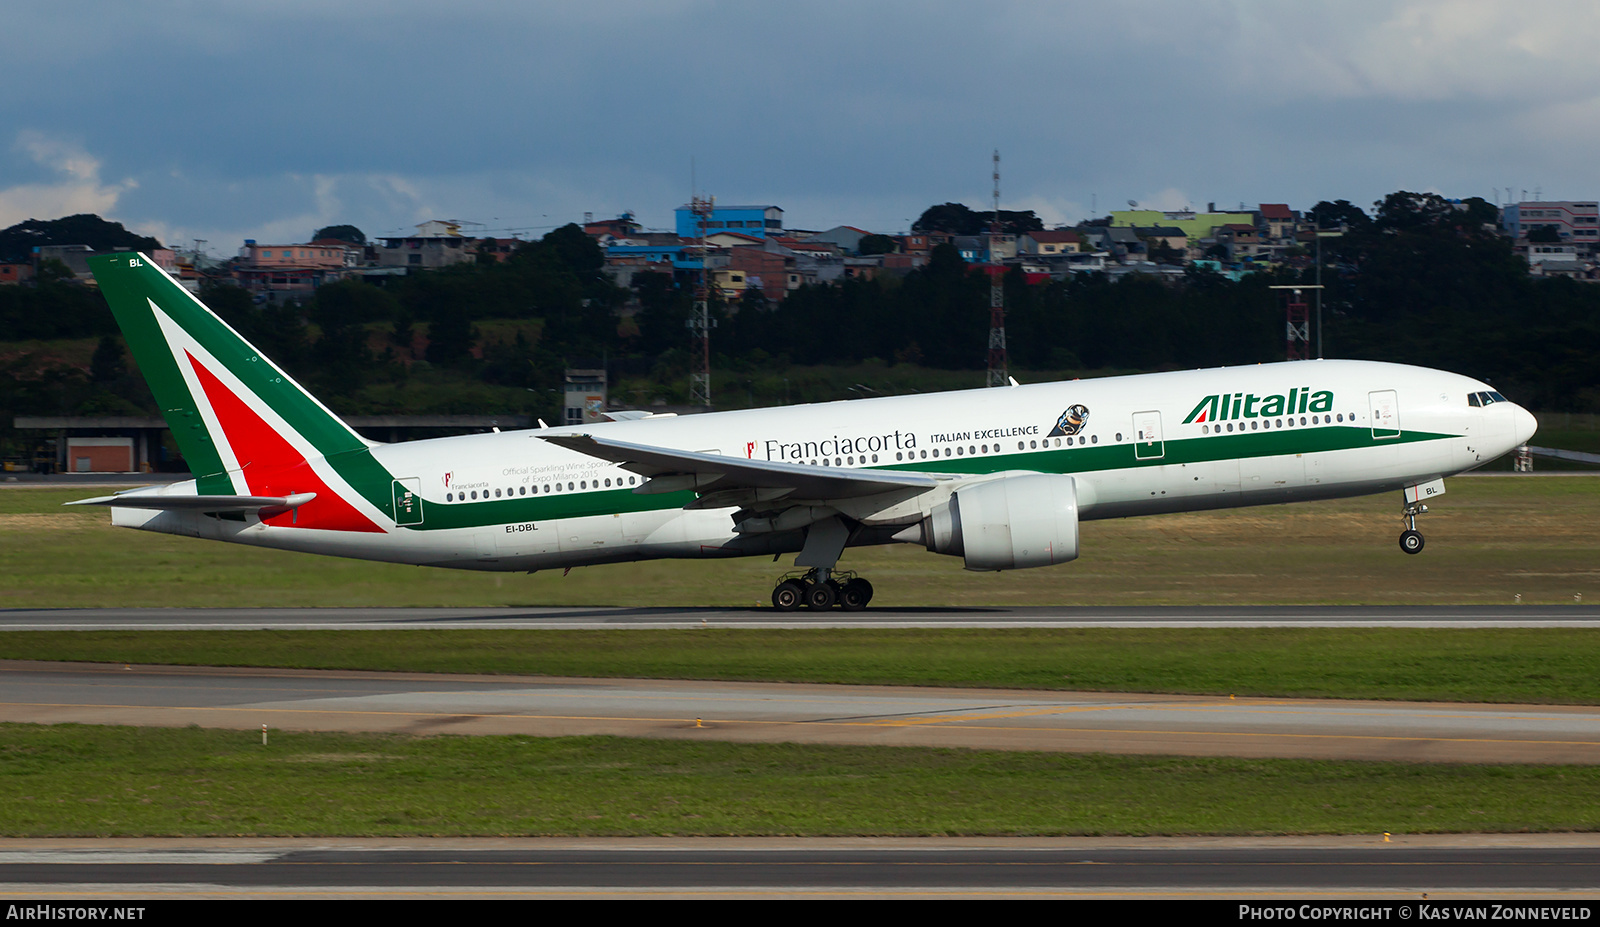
column 1143, row 445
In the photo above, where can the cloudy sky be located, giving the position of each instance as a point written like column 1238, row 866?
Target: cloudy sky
column 227, row 121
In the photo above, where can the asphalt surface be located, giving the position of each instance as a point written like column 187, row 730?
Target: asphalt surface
column 1501, row 869
column 419, row 703
column 1396, row 874
column 1576, row 615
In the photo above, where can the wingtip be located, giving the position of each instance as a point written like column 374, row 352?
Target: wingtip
column 97, row 500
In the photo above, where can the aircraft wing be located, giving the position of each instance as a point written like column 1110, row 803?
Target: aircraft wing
column 672, row 470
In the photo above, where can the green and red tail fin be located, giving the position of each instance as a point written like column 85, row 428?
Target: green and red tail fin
column 243, row 424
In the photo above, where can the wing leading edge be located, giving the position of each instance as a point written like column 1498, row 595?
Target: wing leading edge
column 671, row 470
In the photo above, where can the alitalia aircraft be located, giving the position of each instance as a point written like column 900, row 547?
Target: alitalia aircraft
column 1000, row 477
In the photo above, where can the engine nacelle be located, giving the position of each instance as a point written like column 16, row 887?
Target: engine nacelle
column 1008, row 523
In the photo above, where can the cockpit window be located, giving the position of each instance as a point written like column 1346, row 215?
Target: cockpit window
column 1473, row 400
column 1484, row 398
column 1496, row 397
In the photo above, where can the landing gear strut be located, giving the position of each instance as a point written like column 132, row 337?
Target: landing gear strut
column 1411, row 539
column 822, row 588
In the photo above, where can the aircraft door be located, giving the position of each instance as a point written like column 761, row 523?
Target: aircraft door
column 1385, row 408
column 408, row 501
column 1147, row 443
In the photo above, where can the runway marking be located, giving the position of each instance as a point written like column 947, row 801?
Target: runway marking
column 1354, row 713
column 1149, row 732
column 938, row 716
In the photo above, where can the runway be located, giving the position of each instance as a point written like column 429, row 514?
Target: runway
column 1389, row 875
column 997, row 719
column 1502, row 868
column 601, row 618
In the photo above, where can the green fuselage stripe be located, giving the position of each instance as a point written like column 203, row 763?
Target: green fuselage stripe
column 1085, row 459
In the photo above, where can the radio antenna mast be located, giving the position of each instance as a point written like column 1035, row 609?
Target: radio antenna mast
column 998, row 374
column 700, row 322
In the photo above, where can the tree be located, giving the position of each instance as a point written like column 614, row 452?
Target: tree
column 108, row 364
column 341, row 233
column 574, row 248
column 957, row 219
column 950, row 218
column 53, row 271
column 876, row 244
column 1160, row 252
column 1326, row 215
column 18, row 241
column 1480, row 212
column 663, row 310
column 1403, row 210
column 450, row 338
column 352, row 302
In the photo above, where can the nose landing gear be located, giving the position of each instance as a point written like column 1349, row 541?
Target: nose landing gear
column 822, row 589
column 1411, row 539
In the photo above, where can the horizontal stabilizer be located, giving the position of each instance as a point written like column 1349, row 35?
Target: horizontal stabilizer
column 188, row 503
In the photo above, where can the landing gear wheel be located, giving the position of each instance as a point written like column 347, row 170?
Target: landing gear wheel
column 855, row 595
column 819, row 595
column 1411, row 541
column 788, row 596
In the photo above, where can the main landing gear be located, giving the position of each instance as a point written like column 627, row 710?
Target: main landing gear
column 1411, row 539
column 822, row 588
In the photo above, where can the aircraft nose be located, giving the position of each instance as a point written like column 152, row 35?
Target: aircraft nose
column 1525, row 426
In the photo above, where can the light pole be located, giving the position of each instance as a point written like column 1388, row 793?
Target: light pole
column 1320, row 236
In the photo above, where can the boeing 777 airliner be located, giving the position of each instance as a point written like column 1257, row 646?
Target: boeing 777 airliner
column 1000, row 477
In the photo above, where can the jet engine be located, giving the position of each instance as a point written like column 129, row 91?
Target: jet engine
column 1008, row 524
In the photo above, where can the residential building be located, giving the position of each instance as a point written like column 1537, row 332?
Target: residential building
column 986, row 249
column 847, row 237
column 498, row 250
column 731, row 240
column 1278, row 221
column 810, row 247
column 757, row 221
column 770, row 271
column 584, row 396
column 1574, row 221
column 1121, row 243
column 1553, row 259
column 285, row 271
column 15, row 273
column 622, row 226
column 76, row 259
column 1055, row 241
column 1157, row 235
column 1196, row 225
column 921, row 242
column 324, row 254
column 437, row 243
column 1243, row 240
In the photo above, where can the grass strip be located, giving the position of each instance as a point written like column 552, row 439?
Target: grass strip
column 1541, row 666
column 1491, row 540
column 76, row 780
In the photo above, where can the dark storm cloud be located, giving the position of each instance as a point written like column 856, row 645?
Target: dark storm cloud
column 224, row 121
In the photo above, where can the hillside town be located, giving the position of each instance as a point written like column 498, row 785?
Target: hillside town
column 750, row 247
column 443, row 327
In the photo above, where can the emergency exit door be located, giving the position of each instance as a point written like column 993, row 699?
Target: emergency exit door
column 1147, row 443
column 1384, row 406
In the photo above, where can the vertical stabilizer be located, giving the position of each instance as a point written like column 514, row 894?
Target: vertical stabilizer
column 242, row 423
